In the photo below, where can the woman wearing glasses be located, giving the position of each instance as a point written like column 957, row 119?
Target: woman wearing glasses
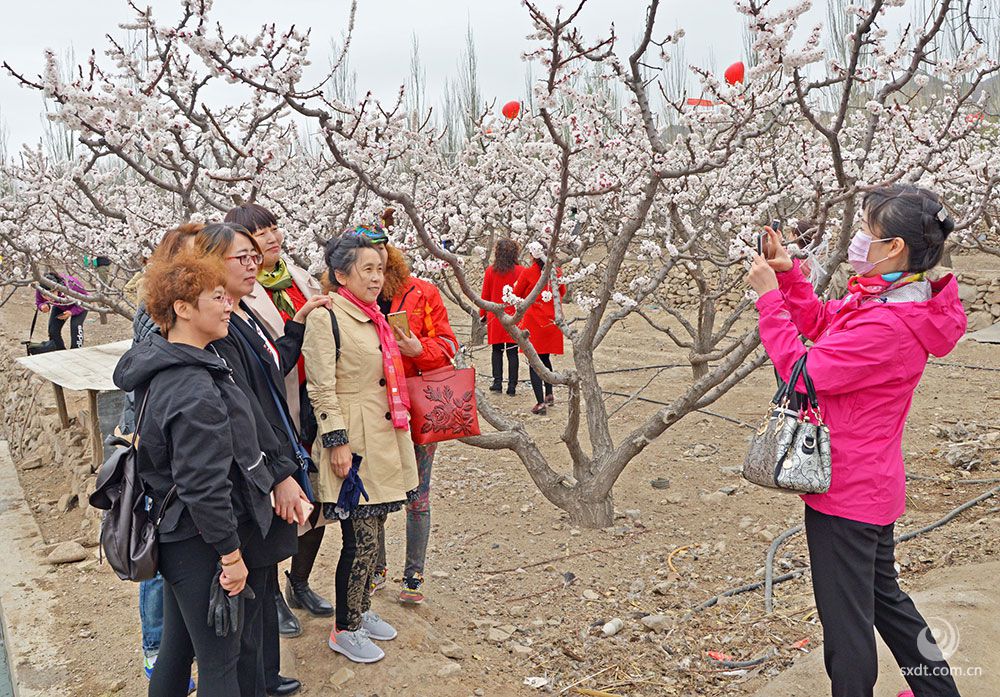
column 259, row 363
column 281, row 291
column 192, row 415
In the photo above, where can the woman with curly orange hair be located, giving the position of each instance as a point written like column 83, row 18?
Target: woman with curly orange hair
column 199, row 458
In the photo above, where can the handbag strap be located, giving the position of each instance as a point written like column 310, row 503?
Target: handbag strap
column 810, row 387
column 336, row 331
column 138, row 420
column 289, row 427
column 787, row 389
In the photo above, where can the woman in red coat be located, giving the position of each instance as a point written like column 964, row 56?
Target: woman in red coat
column 539, row 322
column 503, row 273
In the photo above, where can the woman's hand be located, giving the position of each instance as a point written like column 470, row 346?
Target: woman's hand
column 761, row 277
column 775, row 252
column 65, row 316
column 340, row 460
column 311, row 304
column 409, row 346
column 234, row 575
column 44, row 307
column 287, row 495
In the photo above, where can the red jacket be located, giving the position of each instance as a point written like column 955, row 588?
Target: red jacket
column 539, row 320
column 493, row 285
column 428, row 321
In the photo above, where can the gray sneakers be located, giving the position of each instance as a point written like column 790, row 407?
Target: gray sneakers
column 357, row 646
column 377, row 628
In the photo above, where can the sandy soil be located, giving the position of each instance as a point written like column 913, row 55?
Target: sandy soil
column 525, row 594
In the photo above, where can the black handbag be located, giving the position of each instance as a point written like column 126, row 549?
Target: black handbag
column 129, row 528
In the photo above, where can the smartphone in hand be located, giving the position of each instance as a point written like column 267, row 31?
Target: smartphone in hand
column 399, row 321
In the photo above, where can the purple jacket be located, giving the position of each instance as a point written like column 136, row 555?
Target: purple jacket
column 65, row 304
column 866, row 361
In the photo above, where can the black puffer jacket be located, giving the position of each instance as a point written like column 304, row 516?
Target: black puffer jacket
column 198, row 433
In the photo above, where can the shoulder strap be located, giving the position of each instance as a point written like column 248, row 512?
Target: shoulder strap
column 289, row 428
column 336, row 330
column 138, row 419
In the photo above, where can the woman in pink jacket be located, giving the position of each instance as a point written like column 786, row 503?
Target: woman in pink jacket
column 867, row 356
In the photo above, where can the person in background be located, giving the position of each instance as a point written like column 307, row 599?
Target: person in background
column 431, row 344
column 198, row 442
column 61, row 308
column 281, row 291
column 358, row 390
column 503, row 273
column 869, row 352
column 540, row 323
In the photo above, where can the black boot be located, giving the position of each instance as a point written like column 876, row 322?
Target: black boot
column 301, row 596
column 288, row 623
column 285, row 687
column 512, row 388
column 497, row 386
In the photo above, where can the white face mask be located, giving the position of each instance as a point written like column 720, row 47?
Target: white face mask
column 857, row 253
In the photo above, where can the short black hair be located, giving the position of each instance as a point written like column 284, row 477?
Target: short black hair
column 341, row 253
column 913, row 214
column 252, row 216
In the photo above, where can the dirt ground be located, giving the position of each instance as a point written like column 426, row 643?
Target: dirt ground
column 524, row 594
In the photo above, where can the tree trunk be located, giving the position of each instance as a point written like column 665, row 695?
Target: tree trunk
column 591, row 514
column 477, row 337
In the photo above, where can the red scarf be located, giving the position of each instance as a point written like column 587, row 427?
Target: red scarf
column 876, row 286
column 392, row 362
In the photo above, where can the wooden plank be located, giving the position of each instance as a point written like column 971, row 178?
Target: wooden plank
column 96, row 441
column 89, row 368
column 61, row 405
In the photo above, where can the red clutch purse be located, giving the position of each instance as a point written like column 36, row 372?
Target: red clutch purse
column 443, row 405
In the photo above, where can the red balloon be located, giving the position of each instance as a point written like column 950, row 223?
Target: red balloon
column 735, row 73
column 511, row 109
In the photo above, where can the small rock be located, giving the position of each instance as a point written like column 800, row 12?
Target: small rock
column 675, row 498
column 479, row 692
column 67, row 502
column 32, row 464
column 341, row 677
column 714, row 498
column 440, row 574
column 86, row 634
column 729, row 490
column 454, row 651
column 612, row 627
column 498, row 635
column 745, row 522
column 660, row 483
column 448, row 669
column 766, row 534
column 637, row 586
column 591, row 595
column 67, row 553
column 521, row 650
column 633, row 514
column 656, row 623
column 662, row 588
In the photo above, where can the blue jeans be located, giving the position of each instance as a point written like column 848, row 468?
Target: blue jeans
column 151, row 614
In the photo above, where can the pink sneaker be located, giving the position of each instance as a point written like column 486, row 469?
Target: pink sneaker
column 905, row 693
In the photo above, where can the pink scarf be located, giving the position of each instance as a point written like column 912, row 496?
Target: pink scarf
column 392, row 362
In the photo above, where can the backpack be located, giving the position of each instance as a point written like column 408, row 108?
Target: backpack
column 128, row 528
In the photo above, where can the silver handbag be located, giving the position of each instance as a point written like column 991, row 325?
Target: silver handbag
column 791, row 449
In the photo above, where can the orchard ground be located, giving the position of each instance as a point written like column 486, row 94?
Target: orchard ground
column 515, row 591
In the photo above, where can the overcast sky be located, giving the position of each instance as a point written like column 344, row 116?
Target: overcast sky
column 381, row 45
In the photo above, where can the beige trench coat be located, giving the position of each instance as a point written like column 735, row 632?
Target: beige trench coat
column 350, row 394
column 263, row 308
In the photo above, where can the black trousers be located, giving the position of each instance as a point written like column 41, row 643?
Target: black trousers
column 854, row 583
column 536, row 379
column 271, row 646
column 250, row 668
column 513, row 363
column 187, row 568
column 309, row 542
column 56, row 327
